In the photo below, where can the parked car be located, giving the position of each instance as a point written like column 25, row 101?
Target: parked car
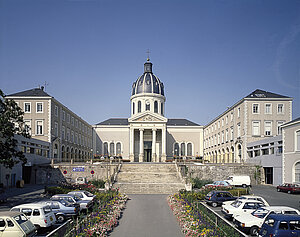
column 218, row 184
column 63, row 209
column 240, row 180
column 16, row 224
column 281, row 225
column 80, row 180
column 241, row 206
column 216, row 198
column 248, row 197
column 289, row 188
column 84, row 204
column 41, row 215
column 251, row 223
column 3, row 197
column 84, row 195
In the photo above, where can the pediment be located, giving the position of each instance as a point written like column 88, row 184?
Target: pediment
column 148, row 117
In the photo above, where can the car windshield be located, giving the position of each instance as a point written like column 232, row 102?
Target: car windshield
column 88, row 194
column 47, row 209
column 236, row 204
column 65, row 203
column 77, row 198
column 260, row 213
column 20, row 219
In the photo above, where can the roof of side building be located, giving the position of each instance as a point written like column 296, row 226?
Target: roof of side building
column 38, row 92
column 291, row 122
column 264, row 94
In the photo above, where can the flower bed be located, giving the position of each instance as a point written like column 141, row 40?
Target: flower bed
column 197, row 221
column 191, row 224
column 101, row 221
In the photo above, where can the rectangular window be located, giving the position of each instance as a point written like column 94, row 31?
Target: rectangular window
column 76, row 123
column 231, row 134
column 56, row 111
column 39, row 107
column 63, row 133
column 76, row 138
column 39, row 127
column 218, row 124
column 219, row 138
column 298, row 140
column 222, row 122
column 268, row 109
column 268, row 128
column 279, row 123
column 226, row 135
column 27, row 107
column 255, row 128
column 27, row 124
column 68, row 134
column 63, row 115
column 68, row 118
column 56, row 129
column 280, row 109
column 222, row 137
column 72, row 121
column 255, row 108
column 72, row 137
column 226, row 119
column 239, row 112
column 238, row 130
column 215, row 140
column 231, row 116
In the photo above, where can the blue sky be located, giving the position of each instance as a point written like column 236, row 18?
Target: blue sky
column 209, row 54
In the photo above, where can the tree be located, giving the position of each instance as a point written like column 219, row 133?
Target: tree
column 11, row 123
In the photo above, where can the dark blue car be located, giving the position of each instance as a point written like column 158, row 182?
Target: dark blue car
column 216, row 198
column 281, row 225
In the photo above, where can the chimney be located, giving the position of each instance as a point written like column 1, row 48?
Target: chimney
column 42, row 88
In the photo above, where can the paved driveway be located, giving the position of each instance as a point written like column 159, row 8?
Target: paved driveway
column 147, row 215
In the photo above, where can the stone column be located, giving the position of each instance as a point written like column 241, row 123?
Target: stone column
column 154, row 145
column 141, row 155
column 131, row 145
column 163, row 145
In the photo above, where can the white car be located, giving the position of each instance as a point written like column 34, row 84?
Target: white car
column 252, row 222
column 248, row 197
column 40, row 215
column 241, row 206
column 84, row 195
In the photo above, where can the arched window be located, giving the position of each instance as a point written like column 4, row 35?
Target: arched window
column 72, row 153
column 176, row 149
column 147, row 105
column 118, row 148
column 189, row 149
column 68, row 153
column 155, row 107
column 297, row 172
column 133, row 108
column 162, row 109
column 139, row 106
column 63, row 152
column 182, row 149
column 111, row 149
column 76, row 155
column 105, row 148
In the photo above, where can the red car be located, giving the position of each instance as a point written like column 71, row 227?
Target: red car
column 289, row 188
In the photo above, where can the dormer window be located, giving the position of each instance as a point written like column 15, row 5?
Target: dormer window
column 147, row 105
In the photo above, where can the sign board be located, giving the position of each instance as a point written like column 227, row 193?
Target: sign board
column 78, row 169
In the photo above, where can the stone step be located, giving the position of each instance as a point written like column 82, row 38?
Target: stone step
column 149, row 188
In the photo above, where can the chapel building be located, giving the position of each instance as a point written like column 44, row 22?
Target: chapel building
column 148, row 136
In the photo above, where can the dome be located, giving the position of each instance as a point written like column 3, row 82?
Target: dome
column 148, row 82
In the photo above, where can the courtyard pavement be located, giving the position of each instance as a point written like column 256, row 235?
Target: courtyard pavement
column 147, row 216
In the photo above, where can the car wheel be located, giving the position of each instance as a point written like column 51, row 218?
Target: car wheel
column 244, row 186
column 214, row 204
column 60, row 218
column 253, row 230
column 278, row 190
column 289, row 192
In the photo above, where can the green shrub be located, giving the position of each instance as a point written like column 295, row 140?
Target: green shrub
column 199, row 183
column 98, row 183
column 239, row 191
column 56, row 190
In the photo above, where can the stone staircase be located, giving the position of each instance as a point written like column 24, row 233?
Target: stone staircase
column 148, row 178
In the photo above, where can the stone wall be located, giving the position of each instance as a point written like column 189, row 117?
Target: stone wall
column 47, row 174
column 223, row 171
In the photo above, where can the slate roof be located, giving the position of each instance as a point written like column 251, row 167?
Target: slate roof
column 114, row 121
column 264, row 94
column 181, row 122
column 38, row 92
column 171, row 122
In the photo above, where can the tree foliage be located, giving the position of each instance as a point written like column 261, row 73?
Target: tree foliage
column 11, row 123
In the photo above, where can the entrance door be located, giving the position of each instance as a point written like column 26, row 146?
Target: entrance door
column 147, row 151
column 268, row 175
